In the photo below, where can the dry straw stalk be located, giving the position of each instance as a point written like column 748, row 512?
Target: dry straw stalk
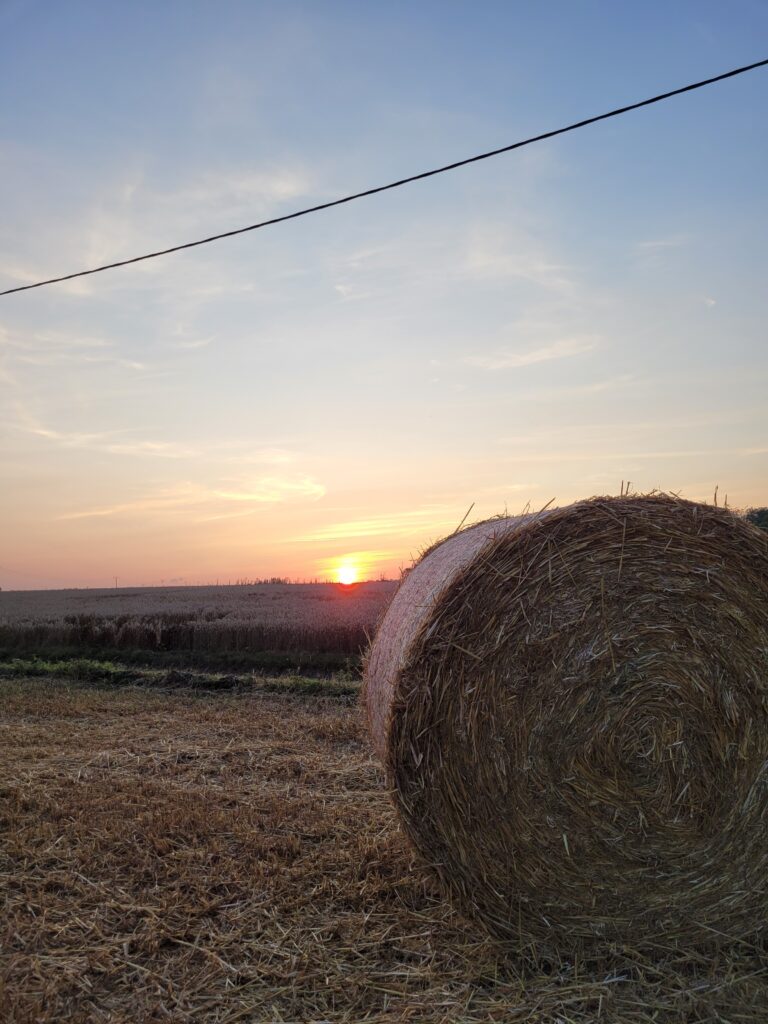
column 572, row 708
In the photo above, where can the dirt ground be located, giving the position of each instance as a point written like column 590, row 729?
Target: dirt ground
column 169, row 856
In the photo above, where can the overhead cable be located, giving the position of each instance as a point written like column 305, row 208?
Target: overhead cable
column 394, row 184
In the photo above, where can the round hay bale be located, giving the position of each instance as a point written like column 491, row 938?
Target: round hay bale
column 572, row 708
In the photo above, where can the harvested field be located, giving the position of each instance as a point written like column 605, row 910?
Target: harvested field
column 169, row 856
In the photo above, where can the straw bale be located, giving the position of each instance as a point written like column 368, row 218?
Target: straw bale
column 572, row 708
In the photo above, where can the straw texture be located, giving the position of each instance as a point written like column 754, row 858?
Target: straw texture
column 573, row 712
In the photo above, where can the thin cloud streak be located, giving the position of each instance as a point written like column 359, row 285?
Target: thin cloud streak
column 104, row 442
column 195, row 343
column 192, row 498
column 492, row 256
column 384, row 525
column 673, row 242
column 567, row 391
column 51, row 340
column 101, row 443
column 628, row 456
column 612, row 428
column 566, row 348
column 119, row 222
column 272, row 489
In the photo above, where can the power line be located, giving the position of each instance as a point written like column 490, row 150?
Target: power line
column 394, row 184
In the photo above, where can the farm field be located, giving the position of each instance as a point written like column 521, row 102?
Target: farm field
column 233, row 856
column 274, row 624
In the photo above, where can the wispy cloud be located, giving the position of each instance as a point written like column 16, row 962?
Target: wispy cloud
column 17, row 273
column 569, row 455
column 574, row 390
column 598, row 431
column 6, row 375
column 57, row 348
column 154, row 449
column 207, row 503
column 51, row 341
column 114, row 443
column 656, row 244
column 166, row 501
column 63, row 340
column 504, row 490
column 236, row 188
column 194, row 343
column 64, row 358
column 261, row 456
column 272, row 489
column 565, row 348
column 131, row 214
column 349, row 291
column 366, row 257
column 105, row 442
column 120, row 223
column 493, row 255
column 433, row 516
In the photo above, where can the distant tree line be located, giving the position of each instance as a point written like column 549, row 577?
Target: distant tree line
column 258, row 580
column 758, row 517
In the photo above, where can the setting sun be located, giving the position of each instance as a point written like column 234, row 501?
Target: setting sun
column 347, row 574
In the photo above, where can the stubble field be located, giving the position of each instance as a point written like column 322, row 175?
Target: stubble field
column 181, row 842
column 222, row 857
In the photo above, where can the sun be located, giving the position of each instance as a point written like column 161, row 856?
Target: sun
column 347, row 574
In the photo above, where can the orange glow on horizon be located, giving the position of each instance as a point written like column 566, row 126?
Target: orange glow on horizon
column 348, row 568
column 347, row 574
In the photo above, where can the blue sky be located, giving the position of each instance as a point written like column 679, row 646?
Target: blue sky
column 543, row 325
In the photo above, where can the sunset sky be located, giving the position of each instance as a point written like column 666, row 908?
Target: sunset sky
column 340, row 389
